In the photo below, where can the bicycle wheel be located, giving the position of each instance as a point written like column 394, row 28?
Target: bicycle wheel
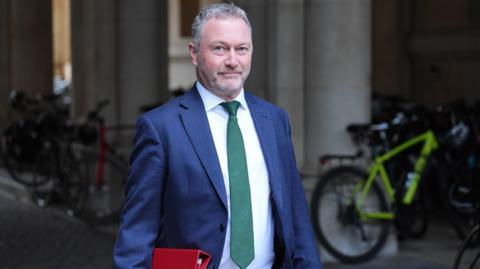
column 336, row 221
column 469, row 255
column 411, row 220
column 97, row 202
column 19, row 146
column 44, row 174
column 461, row 206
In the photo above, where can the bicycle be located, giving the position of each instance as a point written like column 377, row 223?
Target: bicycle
column 468, row 256
column 463, row 175
column 21, row 138
column 99, row 171
column 26, row 142
column 357, row 205
column 55, row 157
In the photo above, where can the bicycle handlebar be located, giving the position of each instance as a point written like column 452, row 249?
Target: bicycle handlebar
column 94, row 114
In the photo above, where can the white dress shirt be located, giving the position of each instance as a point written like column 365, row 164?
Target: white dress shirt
column 263, row 228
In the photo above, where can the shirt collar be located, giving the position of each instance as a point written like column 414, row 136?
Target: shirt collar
column 211, row 101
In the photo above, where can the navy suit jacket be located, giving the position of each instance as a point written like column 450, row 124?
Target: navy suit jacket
column 175, row 195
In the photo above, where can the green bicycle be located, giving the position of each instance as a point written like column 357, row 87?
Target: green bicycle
column 351, row 210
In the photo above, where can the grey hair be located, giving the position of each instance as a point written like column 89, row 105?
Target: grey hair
column 218, row 11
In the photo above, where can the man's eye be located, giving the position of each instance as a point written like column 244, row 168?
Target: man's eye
column 242, row 50
column 219, row 49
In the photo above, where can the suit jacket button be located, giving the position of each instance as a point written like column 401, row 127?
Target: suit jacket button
column 222, row 227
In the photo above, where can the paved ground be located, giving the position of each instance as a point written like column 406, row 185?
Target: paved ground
column 436, row 251
column 46, row 238
column 34, row 237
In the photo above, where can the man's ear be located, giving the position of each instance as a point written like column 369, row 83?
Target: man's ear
column 193, row 53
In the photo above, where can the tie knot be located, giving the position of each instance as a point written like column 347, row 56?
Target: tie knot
column 231, row 107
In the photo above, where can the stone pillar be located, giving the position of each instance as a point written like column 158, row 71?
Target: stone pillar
column 4, row 59
column 278, row 60
column 31, row 58
column 106, row 59
column 83, row 56
column 119, row 53
column 338, row 70
column 94, row 57
column 338, row 86
column 286, row 76
column 142, row 56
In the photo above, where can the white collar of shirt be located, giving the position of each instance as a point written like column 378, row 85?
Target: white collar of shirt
column 211, row 101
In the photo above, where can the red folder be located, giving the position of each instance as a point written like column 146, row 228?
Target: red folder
column 174, row 258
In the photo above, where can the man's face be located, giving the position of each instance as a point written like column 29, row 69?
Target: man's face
column 224, row 57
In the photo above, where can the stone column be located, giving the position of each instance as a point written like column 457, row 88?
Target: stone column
column 278, row 60
column 31, row 58
column 142, row 56
column 338, row 86
column 94, row 57
column 83, row 56
column 286, row 61
column 106, row 47
column 4, row 59
column 338, row 70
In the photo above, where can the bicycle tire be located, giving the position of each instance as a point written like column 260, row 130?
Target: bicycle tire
column 469, row 255
column 14, row 169
column 411, row 220
column 96, row 205
column 44, row 174
column 18, row 163
column 462, row 211
column 336, row 222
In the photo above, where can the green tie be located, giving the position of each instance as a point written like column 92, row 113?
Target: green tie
column 241, row 242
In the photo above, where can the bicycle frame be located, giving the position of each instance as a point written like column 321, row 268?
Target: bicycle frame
column 104, row 147
column 378, row 169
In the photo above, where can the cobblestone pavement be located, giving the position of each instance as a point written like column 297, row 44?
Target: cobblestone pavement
column 47, row 238
column 43, row 238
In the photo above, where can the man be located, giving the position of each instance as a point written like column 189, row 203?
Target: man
column 214, row 169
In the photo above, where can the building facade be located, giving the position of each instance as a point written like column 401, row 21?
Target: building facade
column 321, row 60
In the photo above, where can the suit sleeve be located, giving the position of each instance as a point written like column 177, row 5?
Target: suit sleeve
column 305, row 253
column 142, row 207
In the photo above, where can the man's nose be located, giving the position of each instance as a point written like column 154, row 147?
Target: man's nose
column 232, row 58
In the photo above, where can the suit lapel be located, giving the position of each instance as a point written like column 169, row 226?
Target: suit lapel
column 268, row 141
column 195, row 121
